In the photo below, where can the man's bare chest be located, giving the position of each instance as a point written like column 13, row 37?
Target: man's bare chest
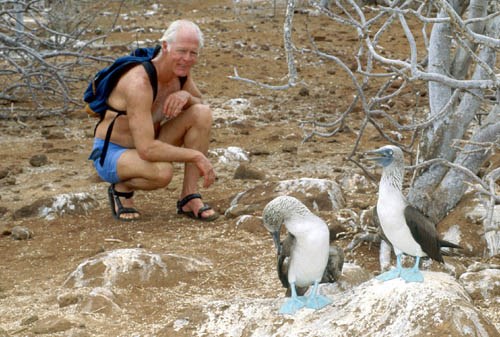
column 164, row 91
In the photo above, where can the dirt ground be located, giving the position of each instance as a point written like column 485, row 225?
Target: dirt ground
column 32, row 272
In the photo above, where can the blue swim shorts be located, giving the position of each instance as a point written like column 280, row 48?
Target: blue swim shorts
column 107, row 172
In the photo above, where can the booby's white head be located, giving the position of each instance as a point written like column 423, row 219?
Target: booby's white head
column 281, row 208
column 387, row 155
column 278, row 211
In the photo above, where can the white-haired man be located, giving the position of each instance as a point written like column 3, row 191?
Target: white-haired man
column 175, row 127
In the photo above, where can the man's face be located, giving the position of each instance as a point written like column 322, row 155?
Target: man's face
column 184, row 52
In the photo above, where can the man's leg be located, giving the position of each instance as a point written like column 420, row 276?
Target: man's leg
column 190, row 129
column 137, row 174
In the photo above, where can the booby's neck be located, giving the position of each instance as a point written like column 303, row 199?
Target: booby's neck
column 299, row 224
column 392, row 180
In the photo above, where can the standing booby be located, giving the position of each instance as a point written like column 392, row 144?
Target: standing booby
column 331, row 274
column 304, row 254
column 407, row 229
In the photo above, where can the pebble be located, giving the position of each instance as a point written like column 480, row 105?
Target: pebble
column 245, row 172
column 21, row 233
column 39, row 160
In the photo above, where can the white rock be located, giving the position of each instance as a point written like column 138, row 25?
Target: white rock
column 123, row 267
column 483, row 284
column 437, row 307
column 232, row 155
column 69, row 203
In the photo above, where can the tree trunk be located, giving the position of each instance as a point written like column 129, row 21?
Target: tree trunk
column 437, row 190
column 439, row 94
column 461, row 63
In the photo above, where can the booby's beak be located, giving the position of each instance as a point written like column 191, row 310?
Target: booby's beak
column 382, row 156
column 276, row 239
column 374, row 154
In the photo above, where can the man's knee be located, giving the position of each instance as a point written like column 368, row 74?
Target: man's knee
column 202, row 114
column 164, row 174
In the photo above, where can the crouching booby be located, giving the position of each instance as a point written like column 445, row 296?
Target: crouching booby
column 407, row 229
column 305, row 256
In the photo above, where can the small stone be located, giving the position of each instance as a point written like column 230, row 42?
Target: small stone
column 20, row 233
column 260, row 152
column 66, row 300
column 39, row 160
column 289, row 149
column 304, row 92
column 245, row 172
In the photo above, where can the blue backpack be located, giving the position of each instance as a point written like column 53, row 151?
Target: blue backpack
column 105, row 80
column 103, row 83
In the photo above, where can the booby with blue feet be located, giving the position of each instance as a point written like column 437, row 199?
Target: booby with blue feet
column 406, row 228
column 304, row 255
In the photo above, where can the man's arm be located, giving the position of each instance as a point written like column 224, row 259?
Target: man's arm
column 182, row 99
column 139, row 96
column 195, row 94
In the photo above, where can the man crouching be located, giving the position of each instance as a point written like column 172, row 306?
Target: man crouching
column 148, row 136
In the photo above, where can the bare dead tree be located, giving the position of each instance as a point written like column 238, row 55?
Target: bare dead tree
column 453, row 130
column 42, row 56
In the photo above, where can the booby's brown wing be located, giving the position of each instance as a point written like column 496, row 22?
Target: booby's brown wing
column 283, row 260
column 334, row 266
column 286, row 246
column 423, row 231
column 376, row 223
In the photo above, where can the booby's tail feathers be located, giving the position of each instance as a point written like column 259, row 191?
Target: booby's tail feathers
column 444, row 243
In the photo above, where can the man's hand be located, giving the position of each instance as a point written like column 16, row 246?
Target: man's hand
column 175, row 102
column 206, row 171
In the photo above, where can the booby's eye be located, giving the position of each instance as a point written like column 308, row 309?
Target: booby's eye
column 391, row 152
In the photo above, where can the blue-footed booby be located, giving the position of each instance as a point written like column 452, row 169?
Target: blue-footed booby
column 406, row 228
column 305, row 257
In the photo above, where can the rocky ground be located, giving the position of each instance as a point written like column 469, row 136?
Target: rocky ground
column 48, row 187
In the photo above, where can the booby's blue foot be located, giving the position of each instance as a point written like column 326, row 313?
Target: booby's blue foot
column 413, row 274
column 291, row 306
column 295, row 303
column 393, row 273
column 317, row 302
column 389, row 275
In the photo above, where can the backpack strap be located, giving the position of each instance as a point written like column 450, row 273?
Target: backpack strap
column 153, row 79
column 108, row 137
column 183, row 80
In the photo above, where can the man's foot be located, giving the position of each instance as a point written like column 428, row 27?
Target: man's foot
column 193, row 207
column 122, row 209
